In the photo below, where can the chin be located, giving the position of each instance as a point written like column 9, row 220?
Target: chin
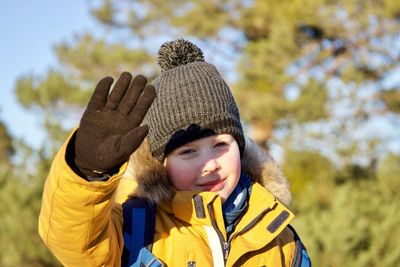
column 223, row 196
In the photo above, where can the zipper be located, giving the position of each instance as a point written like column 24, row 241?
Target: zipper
column 226, row 249
column 226, row 245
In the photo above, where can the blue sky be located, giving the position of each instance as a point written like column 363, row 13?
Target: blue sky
column 28, row 31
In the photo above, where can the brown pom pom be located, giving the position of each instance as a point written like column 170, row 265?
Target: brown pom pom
column 179, row 52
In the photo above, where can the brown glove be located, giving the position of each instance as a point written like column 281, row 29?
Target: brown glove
column 110, row 130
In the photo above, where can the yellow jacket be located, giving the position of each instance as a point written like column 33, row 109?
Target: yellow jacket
column 81, row 221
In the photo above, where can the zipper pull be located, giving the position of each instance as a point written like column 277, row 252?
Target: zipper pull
column 227, row 247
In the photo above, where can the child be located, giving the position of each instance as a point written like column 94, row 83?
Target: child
column 218, row 197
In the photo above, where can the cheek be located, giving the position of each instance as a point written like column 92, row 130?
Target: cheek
column 232, row 162
column 233, row 165
column 180, row 176
column 232, row 168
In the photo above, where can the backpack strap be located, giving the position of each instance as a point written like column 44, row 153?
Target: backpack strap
column 301, row 258
column 138, row 228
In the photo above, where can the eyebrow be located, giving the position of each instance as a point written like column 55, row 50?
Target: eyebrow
column 224, row 138
column 183, row 148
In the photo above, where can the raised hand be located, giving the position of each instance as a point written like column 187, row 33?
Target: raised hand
column 110, row 130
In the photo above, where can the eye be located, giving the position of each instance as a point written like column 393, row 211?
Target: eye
column 186, row 152
column 221, row 144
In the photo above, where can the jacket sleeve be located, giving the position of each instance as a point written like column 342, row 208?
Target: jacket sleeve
column 79, row 220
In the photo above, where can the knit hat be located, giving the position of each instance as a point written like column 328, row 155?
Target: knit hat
column 193, row 101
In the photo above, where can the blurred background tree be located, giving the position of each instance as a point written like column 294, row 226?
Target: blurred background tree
column 22, row 174
column 310, row 77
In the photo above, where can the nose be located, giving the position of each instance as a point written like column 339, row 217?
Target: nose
column 211, row 164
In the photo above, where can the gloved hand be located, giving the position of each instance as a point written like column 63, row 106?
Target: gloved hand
column 110, row 130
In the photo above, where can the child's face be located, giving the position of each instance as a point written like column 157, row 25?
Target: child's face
column 207, row 164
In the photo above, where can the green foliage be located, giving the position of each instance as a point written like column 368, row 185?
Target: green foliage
column 201, row 11
column 310, row 104
column 105, row 13
column 87, row 58
column 392, row 99
column 6, row 147
column 358, row 222
column 20, row 200
column 305, row 167
column 388, row 175
column 51, row 91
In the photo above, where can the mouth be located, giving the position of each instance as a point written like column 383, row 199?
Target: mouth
column 213, row 186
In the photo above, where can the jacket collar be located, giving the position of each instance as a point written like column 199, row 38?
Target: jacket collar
column 271, row 217
column 193, row 207
column 265, row 218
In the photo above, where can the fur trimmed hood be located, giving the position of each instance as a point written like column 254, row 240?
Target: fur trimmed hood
column 153, row 183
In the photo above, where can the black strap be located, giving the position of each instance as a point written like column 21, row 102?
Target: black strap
column 301, row 258
column 138, row 228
